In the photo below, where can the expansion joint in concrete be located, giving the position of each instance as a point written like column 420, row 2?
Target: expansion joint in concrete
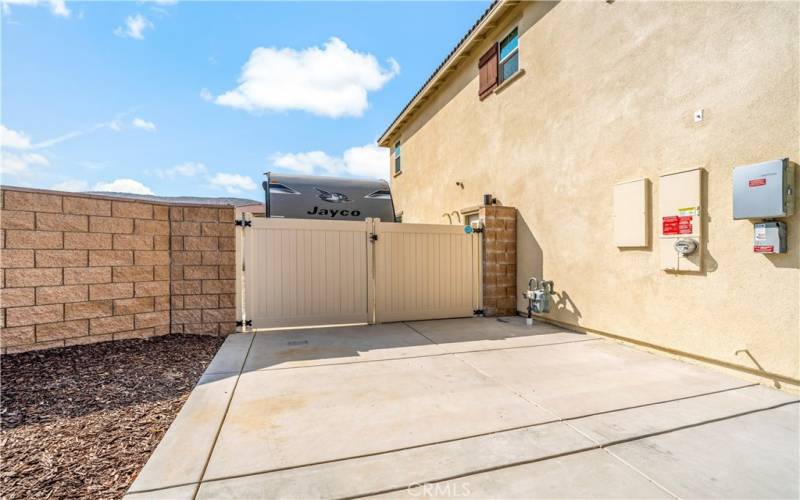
column 224, row 416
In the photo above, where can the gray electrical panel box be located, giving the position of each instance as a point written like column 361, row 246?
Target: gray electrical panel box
column 763, row 190
column 769, row 237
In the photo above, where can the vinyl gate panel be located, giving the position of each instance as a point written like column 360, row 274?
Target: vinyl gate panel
column 425, row 271
column 306, row 272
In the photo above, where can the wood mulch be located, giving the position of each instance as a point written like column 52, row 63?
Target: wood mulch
column 80, row 422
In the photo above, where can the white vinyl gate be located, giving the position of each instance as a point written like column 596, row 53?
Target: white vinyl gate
column 425, row 271
column 298, row 272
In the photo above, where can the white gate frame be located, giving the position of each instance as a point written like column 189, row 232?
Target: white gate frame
column 425, row 271
column 435, row 271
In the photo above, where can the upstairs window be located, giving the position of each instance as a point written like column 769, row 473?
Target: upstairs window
column 397, row 158
column 498, row 64
column 509, row 55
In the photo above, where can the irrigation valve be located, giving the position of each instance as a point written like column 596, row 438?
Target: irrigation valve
column 538, row 295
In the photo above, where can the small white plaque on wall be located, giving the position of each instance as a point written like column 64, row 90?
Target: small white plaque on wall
column 631, row 214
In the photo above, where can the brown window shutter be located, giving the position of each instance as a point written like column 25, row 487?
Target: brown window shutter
column 487, row 71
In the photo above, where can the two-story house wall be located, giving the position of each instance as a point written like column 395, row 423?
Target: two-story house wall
column 549, row 106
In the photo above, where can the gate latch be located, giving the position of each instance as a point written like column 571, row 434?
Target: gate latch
column 373, row 237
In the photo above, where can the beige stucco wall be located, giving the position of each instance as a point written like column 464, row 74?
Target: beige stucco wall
column 608, row 95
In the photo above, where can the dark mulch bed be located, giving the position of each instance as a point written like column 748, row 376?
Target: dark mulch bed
column 81, row 421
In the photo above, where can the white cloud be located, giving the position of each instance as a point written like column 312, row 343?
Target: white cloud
column 112, row 125
column 13, row 139
column 188, row 169
column 305, row 163
column 57, row 7
column 123, row 186
column 331, row 80
column 233, row 183
column 368, row 161
column 71, row 185
column 144, row 124
column 19, row 164
column 134, row 27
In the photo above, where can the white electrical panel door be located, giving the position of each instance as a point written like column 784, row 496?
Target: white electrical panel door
column 631, row 214
column 680, row 218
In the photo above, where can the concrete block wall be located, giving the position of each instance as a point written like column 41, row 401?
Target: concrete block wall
column 499, row 260
column 78, row 269
column 203, row 281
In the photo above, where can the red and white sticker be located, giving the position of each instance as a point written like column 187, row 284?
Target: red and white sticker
column 669, row 225
column 685, row 224
column 676, row 224
column 764, row 249
column 757, row 182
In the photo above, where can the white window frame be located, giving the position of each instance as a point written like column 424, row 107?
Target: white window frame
column 396, row 157
column 500, row 62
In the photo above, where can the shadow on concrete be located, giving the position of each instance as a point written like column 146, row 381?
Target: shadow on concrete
column 365, row 343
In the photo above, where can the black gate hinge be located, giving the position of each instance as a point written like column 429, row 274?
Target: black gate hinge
column 477, row 230
column 478, row 312
column 249, row 322
column 243, row 223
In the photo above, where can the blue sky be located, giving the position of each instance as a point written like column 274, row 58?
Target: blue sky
column 200, row 98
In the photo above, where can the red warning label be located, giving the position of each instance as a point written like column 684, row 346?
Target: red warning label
column 669, row 225
column 764, row 249
column 676, row 224
column 685, row 225
column 756, row 182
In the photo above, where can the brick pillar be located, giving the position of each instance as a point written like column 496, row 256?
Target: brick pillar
column 499, row 260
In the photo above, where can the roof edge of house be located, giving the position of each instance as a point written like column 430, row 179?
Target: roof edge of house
column 475, row 34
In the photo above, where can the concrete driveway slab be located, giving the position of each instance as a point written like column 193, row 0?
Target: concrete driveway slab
column 582, row 378
column 184, row 492
column 399, row 470
column 753, row 456
column 478, row 334
column 288, row 418
column 592, row 474
column 324, row 346
column 231, row 355
column 180, row 457
column 636, row 422
column 359, row 411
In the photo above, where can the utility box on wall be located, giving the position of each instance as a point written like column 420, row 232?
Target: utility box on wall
column 763, row 190
column 680, row 234
column 769, row 237
column 631, row 214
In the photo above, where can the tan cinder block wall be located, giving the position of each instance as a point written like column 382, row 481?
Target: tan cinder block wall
column 499, row 258
column 77, row 269
column 608, row 95
column 203, row 280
